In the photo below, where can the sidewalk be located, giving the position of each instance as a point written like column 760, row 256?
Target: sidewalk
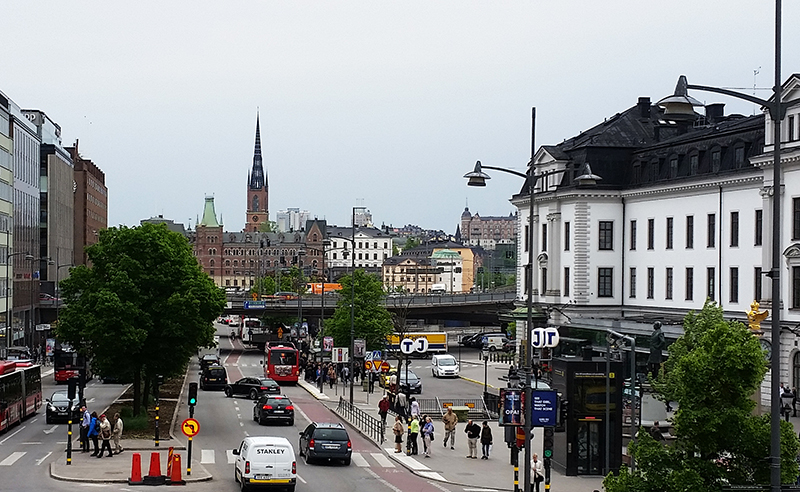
column 452, row 466
column 117, row 469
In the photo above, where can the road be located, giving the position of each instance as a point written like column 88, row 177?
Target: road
column 27, row 450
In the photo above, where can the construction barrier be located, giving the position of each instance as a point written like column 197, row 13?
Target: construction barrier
column 136, row 470
column 169, row 461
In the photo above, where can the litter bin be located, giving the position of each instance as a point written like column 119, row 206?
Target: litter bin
column 461, row 412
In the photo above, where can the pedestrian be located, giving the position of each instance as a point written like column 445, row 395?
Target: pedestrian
column 400, row 404
column 412, row 436
column 118, row 425
column 372, row 381
column 537, row 467
column 398, row 430
column 94, row 430
column 655, row 431
column 383, row 409
column 105, row 435
column 473, row 432
column 486, row 440
column 331, row 375
column 450, row 420
column 85, row 421
column 786, row 402
column 345, row 375
column 414, row 406
column 427, row 436
column 422, row 421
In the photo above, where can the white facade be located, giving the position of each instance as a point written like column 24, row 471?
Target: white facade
column 292, row 219
column 372, row 247
column 669, row 246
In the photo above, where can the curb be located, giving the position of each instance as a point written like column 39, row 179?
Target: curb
column 478, row 382
column 178, row 406
column 62, row 478
column 312, row 390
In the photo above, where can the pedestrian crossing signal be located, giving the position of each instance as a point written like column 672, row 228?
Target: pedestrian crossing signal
column 548, row 442
column 192, row 394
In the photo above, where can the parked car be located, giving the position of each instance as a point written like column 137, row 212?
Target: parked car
column 273, row 407
column 493, row 342
column 213, row 377
column 58, row 409
column 469, row 340
column 252, row 387
column 324, row 440
column 265, row 461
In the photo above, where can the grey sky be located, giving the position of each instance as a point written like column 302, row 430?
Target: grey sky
column 385, row 104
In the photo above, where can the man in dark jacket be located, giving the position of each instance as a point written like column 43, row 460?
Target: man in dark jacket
column 473, row 432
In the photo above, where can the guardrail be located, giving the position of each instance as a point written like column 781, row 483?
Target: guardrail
column 365, row 422
column 477, row 407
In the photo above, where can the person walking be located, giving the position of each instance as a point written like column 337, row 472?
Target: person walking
column 398, row 430
column 486, row 440
column 786, row 402
column 450, row 420
column 118, row 425
column 414, row 407
column 331, row 375
column 473, row 432
column 85, row 422
column 383, row 409
column 345, row 375
column 400, row 404
column 427, row 436
column 537, row 467
column 413, row 434
column 371, row 381
column 105, row 435
column 320, row 375
column 94, row 431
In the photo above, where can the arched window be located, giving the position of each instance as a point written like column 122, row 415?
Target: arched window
column 267, row 264
column 796, row 370
column 255, row 203
column 227, row 263
column 211, row 263
column 210, row 251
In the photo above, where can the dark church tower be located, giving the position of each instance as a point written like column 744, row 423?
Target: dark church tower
column 257, row 190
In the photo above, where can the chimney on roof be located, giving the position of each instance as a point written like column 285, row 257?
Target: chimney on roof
column 715, row 112
column 644, row 107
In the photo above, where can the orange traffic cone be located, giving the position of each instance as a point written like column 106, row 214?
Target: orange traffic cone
column 154, row 477
column 136, row 470
column 175, row 477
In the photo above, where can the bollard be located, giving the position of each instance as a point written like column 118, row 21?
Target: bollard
column 136, row 470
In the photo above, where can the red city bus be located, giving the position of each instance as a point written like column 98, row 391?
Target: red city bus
column 20, row 392
column 282, row 363
column 68, row 364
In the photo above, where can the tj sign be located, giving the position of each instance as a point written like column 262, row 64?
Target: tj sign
column 544, row 338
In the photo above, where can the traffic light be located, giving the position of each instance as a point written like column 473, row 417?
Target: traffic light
column 548, row 442
column 72, row 384
column 192, row 394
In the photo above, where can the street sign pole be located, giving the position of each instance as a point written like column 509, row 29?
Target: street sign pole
column 189, row 457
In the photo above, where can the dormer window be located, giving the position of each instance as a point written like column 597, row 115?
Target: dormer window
column 738, row 156
column 716, row 160
column 673, row 167
column 694, row 163
column 653, row 168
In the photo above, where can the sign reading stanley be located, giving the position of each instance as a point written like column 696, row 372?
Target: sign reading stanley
column 511, row 401
column 544, row 408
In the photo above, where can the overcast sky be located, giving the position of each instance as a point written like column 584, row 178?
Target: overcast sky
column 375, row 103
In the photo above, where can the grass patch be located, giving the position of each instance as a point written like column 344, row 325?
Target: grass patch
column 132, row 423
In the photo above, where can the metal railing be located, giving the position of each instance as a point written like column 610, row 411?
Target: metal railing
column 365, row 422
column 477, row 407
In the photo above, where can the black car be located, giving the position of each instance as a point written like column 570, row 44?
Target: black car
column 58, row 409
column 209, row 360
column 469, row 340
column 213, row 377
column 252, row 387
column 325, row 440
column 409, row 382
column 273, row 407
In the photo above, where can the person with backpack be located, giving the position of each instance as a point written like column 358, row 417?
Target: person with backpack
column 105, row 434
column 93, row 432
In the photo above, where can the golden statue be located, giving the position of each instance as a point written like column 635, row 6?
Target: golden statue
column 755, row 317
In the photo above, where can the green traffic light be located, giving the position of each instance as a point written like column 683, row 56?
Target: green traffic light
column 192, row 401
column 548, row 453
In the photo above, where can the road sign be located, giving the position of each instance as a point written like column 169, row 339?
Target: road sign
column 280, row 332
column 385, row 366
column 368, row 365
column 545, row 337
column 255, row 304
column 377, row 355
column 43, row 327
column 409, row 346
column 190, row 427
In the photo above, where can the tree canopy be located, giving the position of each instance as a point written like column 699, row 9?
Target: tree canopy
column 372, row 321
column 142, row 307
column 712, row 372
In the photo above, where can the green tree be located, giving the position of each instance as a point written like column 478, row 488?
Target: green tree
column 142, row 308
column 372, row 321
column 712, row 372
column 411, row 242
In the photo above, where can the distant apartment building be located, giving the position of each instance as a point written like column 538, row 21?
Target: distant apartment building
column 487, row 232
column 291, row 219
column 371, row 247
column 91, row 203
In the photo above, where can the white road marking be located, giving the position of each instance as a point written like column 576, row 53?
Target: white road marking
column 479, row 490
column 439, row 486
column 12, row 435
column 381, row 480
column 34, row 419
column 241, row 424
column 90, row 400
column 407, row 460
column 246, row 433
column 12, row 458
column 30, row 443
column 50, row 430
column 48, row 372
column 359, row 460
column 41, row 460
column 301, row 479
column 231, row 456
column 434, row 476
column 207, row 456
column 382, row 460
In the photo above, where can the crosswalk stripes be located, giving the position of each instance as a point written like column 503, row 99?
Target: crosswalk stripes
column 382, row 460
column 207, row 456
column 363, row 460
column 359, row 460
column 12, row 458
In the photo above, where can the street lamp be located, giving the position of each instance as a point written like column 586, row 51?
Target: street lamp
column 680, row 104
column 478, row 178
column 9, row 329
column 353, row 303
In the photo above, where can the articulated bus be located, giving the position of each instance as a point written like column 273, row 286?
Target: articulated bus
column 282, row 363
column 20, row 392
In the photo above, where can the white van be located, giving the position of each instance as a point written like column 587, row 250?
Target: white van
column 493, row 342
column 443, row 365
column 265, row 461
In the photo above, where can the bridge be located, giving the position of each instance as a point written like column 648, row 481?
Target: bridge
column 478, row 308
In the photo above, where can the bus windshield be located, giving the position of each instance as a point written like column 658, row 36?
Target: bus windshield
column 283, row 357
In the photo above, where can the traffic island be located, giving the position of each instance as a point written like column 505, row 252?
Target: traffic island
column 116, row 469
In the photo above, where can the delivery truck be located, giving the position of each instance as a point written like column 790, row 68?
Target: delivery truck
column 437, row 341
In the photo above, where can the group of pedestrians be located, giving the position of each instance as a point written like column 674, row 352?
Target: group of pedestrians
column 321, row 373
column 100, row 428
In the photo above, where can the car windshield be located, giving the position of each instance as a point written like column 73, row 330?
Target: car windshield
column 447, row 362
column 267, row 382
column 278, row 401
column 411, row 376
column 59, row 397
column 330, row 434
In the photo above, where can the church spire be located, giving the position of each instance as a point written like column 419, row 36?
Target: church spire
column 257, row 178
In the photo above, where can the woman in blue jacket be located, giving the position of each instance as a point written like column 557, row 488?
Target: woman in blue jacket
column 94, row 432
